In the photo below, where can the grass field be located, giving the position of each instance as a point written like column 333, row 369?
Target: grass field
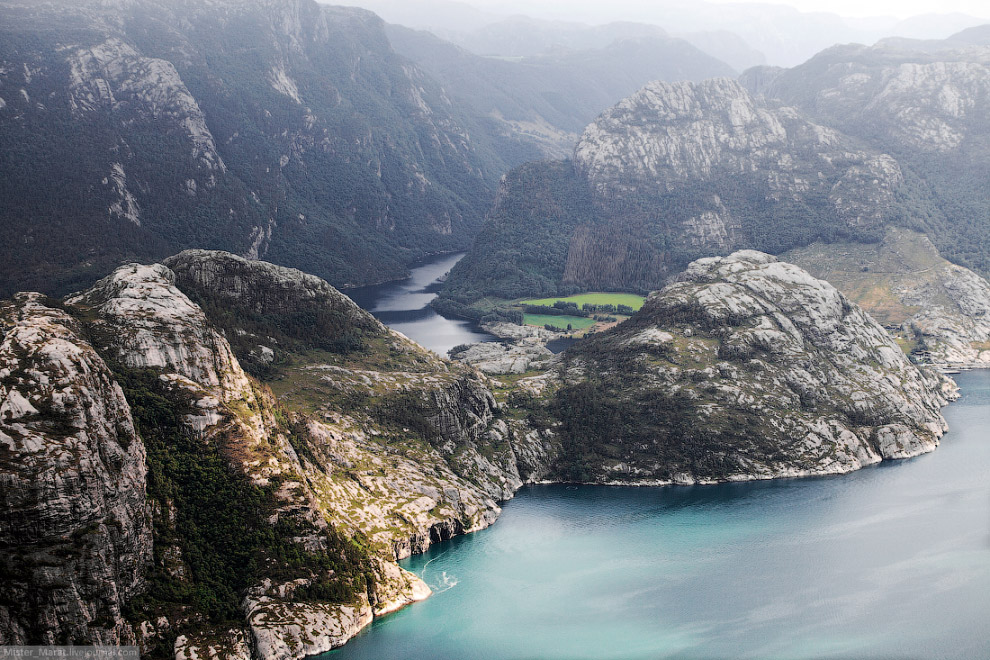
column 630, row 299
column 577, row 322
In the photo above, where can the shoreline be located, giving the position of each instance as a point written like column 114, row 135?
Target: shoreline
column 734, row 479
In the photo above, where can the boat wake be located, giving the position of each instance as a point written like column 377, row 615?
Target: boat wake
column 445, row 581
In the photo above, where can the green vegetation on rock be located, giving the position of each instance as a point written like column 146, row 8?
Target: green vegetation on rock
column 213, row 536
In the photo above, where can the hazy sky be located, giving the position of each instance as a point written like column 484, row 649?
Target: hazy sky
column 899, row 8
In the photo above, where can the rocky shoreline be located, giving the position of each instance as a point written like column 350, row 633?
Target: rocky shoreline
column 380, row 440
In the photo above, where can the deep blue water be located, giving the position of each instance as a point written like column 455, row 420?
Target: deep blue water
column 405, row 306
column 888, row 562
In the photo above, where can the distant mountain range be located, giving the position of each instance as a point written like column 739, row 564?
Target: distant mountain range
column 777, row 34
column 536, row 105
column 853, row 142
column 280, row 129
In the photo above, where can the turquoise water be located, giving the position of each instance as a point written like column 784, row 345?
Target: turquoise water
column 887, row 562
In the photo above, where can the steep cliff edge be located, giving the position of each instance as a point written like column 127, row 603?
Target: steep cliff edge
column 75, row 525
column 744, row 368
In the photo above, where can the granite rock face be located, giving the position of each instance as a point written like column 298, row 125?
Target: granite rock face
column 148, row 323
column 75, row 526
column 669, row 135
column 911, row 95
column 675, row 172
column 498, row 358
column 750, row 368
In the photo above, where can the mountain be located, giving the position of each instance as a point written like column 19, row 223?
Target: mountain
column 442, row 17
column 524, row 36
column 726, row 46
column 940, row 310
column 744, row 368
column 675, row 172
column 283, row 129
column 923, row 103
column 535, row 106
column 784, row 34
column 156, row 494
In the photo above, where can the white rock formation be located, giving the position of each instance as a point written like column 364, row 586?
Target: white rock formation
column 670, row 135
column 767, row 372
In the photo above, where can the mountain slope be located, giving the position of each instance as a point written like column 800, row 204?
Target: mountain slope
column 925, row 104
column 674, row 172
column 281, row 128
column 942, row 309
column 536, row 105
column 744, row 368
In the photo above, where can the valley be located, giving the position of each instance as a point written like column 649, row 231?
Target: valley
column 298, row 300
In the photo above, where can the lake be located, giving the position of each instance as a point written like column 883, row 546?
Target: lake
column 404, row 306
column 888, row 562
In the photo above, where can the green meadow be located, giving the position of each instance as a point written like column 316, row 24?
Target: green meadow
column 630, row 299
column 577, row 322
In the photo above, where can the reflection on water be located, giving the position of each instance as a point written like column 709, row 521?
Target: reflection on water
column 888, row 562
column 404, row 307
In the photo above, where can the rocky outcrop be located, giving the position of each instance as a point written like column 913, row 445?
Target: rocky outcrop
column 924, row 103
column 941, row 310
column 669, row 135
column 75, row 526
column 675, row 172
column 912, row 95
column 745, row 368
column 262, row 287
column 146, row 322
column 498, row 358
column 113, row 76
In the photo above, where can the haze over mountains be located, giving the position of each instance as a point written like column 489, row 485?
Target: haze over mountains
column 211, row 454
column 283, row 129
column 781, row 34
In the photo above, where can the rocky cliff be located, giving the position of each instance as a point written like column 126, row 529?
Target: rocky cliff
column 923, row 102
column 266, row 526
column 75, row 524
column 675, row 172
column 744, row 368
column 322, row 149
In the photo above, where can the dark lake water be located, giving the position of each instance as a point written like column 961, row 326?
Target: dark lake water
column 888, row 562
column 405, row 306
